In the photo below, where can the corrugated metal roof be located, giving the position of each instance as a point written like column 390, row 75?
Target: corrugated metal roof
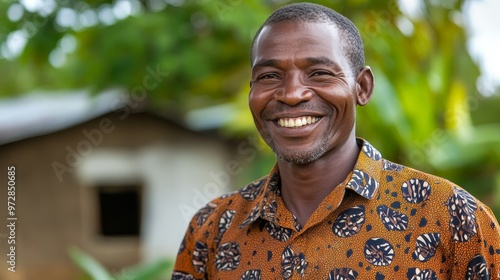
column 40, row 113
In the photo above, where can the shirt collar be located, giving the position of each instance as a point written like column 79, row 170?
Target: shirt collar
column 365, row 176
column 364, row 180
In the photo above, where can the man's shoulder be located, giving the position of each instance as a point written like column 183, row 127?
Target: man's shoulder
column 391, row 176
column 246, row 194
column 416, row 185
column 417, row 182
column 236, row 203
column 397, row 170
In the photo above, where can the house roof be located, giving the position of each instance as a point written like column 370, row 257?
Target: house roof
column 41, row 113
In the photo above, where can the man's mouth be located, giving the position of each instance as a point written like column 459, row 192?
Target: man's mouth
column 297, row 122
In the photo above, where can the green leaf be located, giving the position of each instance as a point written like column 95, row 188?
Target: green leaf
column 89, row 265
column 150, row 271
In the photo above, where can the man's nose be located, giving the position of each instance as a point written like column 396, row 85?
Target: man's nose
column 293, row 91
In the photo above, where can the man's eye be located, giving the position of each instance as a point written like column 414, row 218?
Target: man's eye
column 320, row 73
column 268, row 76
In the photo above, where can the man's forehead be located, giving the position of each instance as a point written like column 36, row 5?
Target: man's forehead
column 277, row 37
column 304, row 29
column 295, row 24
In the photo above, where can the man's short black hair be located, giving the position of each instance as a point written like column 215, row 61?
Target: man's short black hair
column 308, row 12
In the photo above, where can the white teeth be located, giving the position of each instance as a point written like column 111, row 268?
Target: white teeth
column 297, row 122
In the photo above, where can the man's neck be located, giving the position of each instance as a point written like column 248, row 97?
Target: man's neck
column 303, row 187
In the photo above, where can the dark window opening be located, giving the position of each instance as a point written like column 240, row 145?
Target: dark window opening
column 120, row 210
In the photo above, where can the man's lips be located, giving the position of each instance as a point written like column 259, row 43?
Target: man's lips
column 300, row 121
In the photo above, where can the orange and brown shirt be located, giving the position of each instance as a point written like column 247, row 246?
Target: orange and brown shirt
column 386, row 221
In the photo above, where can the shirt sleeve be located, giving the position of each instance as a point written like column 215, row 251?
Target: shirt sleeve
column 476, row 242
column 192, row 257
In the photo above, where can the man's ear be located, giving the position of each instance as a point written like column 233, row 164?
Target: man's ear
column 364, row 86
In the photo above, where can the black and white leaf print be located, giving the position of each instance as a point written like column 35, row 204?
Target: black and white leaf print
column 477, row 269
column 226, row 219
column 251, row 191
column 200, row 257
column 371, row 152
column 342, row 274
column 416, row 190
column 392, row 219
column 349, row 222
column 287, row 263
column 417, row 274
column 273, row 184
column 228, row 256
column 427, row 244
column 224, row 223
column 362, row 183
column 461, row 207
column 252, row 217
column 379, row 252
column 291, row 263
column 203, row 214
column 269, row 210
column 178, row 275
column 391, row 166
column 297, row 225
column 277, row 232
column 251, row 275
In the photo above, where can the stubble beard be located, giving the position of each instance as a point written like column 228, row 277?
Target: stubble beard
column 301, row 157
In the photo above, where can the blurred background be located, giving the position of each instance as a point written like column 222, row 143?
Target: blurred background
column 123, row 117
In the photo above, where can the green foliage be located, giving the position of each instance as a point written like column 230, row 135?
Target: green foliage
column 426, row 111
column 95, row 271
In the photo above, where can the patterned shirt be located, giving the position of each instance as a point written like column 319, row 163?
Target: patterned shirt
column 385, row 221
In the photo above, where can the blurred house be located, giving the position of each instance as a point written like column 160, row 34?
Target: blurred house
column 118, row 184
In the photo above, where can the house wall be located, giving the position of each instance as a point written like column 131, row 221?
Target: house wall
column 55, row 198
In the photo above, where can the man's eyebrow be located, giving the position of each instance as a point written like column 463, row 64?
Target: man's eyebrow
column 266, row 62
column 322, row 60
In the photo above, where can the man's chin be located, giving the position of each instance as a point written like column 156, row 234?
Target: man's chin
column 298, row 157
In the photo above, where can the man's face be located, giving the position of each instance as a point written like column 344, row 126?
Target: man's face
column 302, row 94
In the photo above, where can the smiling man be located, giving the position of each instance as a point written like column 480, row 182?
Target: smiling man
column 332, row 207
